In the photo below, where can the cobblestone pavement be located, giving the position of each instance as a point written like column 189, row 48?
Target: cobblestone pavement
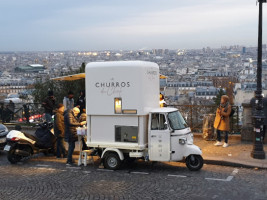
column 48, row 178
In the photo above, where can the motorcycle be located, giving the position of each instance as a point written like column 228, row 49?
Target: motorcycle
column 23, row 145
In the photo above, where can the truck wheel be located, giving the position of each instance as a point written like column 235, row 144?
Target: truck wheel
column 112, row 161
column 12, row 157
column 194, row 162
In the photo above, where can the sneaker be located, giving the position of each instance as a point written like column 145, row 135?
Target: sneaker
column 69, row 164
column 218, row 143
column 225, row 145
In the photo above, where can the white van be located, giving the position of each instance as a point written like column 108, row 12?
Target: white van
column 124, row 118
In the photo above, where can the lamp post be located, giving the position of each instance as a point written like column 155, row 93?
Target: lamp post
column 258, row 115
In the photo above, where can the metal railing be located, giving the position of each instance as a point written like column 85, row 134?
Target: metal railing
column 21, row 112
column 194, row 115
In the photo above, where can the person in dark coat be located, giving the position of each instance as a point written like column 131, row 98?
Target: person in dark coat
column 6, row 116
column 11, row 107
column 26, row 113
column 49, row 104
column 1, row 111
column 71, row 123
column 59, row 130
column 81, row 101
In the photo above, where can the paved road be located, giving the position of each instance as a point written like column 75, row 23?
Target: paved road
column 49, row 178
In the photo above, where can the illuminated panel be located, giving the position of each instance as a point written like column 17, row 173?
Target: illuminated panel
column 117, row 104
column 128, row 111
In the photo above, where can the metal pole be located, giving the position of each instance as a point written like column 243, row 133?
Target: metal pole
column 258, row 116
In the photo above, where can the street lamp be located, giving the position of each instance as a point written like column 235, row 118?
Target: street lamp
column 258, row 115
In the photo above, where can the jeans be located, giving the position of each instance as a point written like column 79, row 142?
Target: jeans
column 48, row 117
column 70, row 151
column 60, row 147
column 219, row 136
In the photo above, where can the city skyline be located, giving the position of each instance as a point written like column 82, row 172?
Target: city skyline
column 98, row 25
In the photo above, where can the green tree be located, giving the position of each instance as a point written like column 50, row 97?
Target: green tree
column 60, row 88
column 217, row 99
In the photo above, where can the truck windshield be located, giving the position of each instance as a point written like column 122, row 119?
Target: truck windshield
column 176, row 121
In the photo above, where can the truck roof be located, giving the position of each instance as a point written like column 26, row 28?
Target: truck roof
column 163, row 110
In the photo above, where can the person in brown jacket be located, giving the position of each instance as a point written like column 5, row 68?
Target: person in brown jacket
column 59, row 130
column 221, row 122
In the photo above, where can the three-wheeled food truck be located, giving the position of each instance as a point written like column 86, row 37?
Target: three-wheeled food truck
column 124, row 118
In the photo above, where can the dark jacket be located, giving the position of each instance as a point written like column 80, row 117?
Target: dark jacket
column 49, row 104
column 71, row 123
column 59, row 128
column 81, row 102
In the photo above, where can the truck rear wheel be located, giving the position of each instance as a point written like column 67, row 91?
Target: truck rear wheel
column 194, row 162
column 112, row 161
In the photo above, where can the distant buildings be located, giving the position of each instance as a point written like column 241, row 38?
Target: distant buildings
column 32, row 68
column 194, row 75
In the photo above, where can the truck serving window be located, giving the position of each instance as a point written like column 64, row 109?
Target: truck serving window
column 176, row 121
column 126, row 134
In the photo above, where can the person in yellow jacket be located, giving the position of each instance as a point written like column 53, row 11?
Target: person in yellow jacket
column 221, row 122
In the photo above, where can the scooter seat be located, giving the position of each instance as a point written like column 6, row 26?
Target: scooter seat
column 30, row 136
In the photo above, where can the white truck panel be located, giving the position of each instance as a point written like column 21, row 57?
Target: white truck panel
column 135, row 82
column 103, row 127
column 101, row 131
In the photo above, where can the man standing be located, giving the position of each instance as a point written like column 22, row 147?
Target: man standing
column 81, row 101
column 49, row 104
column 68, row 101
column 11, row 107
column 59, row 130
column 71, row 123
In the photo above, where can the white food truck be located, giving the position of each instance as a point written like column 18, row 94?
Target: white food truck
column 124, row 118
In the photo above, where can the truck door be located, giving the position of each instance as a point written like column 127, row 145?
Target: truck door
column 159, row 138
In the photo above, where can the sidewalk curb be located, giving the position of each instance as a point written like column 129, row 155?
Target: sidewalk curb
column 229, row 164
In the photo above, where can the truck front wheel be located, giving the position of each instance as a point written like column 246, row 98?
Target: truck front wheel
column 112, row 161
column 194, row 162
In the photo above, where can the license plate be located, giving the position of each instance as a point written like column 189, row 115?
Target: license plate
column 3, row 140
column 7, row 148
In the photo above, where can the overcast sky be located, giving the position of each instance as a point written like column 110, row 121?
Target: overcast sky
column 47, row 25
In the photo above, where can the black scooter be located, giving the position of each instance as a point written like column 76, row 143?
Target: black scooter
column 22, row 145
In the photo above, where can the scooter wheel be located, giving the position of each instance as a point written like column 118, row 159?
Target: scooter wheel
column 12, row 157
column 194, row 162
column 112, row 161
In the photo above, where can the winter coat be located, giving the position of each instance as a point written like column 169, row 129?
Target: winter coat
column 81, row 102
column 49, row 104
column 71, row 123
column 59, row 128
column 221, row 121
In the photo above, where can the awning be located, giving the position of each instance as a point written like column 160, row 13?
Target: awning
column 72, row 77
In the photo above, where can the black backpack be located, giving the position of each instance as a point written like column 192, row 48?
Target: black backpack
column 232, row 112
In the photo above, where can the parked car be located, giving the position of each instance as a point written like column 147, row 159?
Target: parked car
column 3, row 133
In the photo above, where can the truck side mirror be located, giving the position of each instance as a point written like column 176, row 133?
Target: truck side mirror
column 165, row 125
